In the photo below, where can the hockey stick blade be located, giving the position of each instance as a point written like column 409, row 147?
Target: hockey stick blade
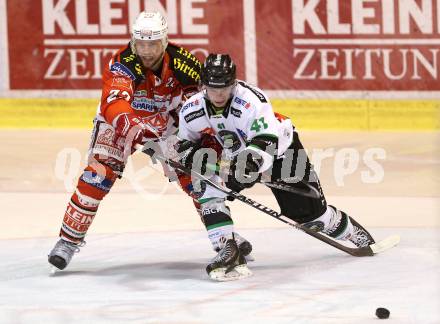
column 385, row 244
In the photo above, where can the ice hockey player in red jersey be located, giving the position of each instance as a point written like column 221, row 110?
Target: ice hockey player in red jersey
column 144, row 85
column 257, row 142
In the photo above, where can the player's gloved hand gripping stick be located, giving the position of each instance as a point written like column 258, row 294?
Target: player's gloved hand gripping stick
column 358, row 252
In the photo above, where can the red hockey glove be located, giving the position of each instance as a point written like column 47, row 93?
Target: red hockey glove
column 130, row 129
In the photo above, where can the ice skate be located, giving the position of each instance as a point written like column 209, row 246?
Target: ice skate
column 338, row 225
column 360, row 236
column 62, row 253
column 229, row 264
column 244, row 246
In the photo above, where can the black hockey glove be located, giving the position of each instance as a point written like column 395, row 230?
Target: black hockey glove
column 186, row 150
column 243, row 172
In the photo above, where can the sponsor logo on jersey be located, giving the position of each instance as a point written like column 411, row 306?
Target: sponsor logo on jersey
column 138, row 69
column 210, row 211
column 120, row 69
column 236, row 112
column 97, row 180
column 182, row 65
column 145, row 104
column 121, row 82
column 190, row 104
column 129, row 58
column 139, row 93
column 162, row 98
column 194, row 115
column 258, row 94
column 242, row 102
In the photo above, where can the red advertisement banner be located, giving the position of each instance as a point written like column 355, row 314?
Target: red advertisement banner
column 64, row 44
column 299, row 44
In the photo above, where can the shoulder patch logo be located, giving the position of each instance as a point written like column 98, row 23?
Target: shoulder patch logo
column 120, row 69
column 194, row 115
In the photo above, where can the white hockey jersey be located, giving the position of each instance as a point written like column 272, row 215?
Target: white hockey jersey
column 248, row 115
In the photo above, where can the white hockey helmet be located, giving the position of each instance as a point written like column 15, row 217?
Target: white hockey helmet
column 150, row 26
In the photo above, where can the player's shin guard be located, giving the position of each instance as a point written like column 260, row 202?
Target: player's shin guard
column 218, row 222
column 339, row 225
column 82, row 207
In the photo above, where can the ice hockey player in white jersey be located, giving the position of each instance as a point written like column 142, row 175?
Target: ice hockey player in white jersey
column 257, row 143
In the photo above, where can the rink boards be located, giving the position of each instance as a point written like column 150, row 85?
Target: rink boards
column 313, row 114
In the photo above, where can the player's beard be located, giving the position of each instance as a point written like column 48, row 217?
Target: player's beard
column 150, row 63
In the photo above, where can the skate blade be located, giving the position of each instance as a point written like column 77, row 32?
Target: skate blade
column 249, row 258
column 53, row 271
column 237, row 273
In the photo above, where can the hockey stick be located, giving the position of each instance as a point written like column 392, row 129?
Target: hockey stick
column 358, row 252
column 311, row 193
column 281, row 185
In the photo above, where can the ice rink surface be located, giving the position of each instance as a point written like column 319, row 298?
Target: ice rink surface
column 159, row 277
column 146, row 251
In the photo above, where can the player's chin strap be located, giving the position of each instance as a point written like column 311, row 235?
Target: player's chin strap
column 358, row 252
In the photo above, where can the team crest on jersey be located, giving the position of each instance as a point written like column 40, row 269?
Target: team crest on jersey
column 106, row 138
column 120, row 69
column 158, row 121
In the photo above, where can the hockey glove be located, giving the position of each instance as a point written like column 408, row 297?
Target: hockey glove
column 243, row 172
column 129, row 130
column 186, row 150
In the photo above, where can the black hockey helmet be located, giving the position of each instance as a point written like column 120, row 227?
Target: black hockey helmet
column 218, row 71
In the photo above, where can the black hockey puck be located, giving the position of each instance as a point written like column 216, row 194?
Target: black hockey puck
column 382, row 313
